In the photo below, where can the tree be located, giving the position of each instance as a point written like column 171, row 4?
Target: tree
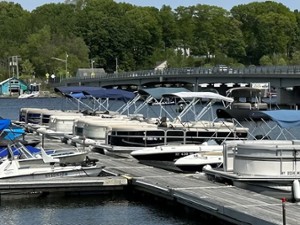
column 14, row 28
column 268, row 27
column 61, row 18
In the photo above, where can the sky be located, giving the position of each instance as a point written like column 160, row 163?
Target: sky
column 226, row 4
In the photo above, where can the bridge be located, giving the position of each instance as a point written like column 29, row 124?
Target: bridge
column 284, row 79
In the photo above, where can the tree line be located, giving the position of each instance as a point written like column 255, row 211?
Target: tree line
column 125, row 37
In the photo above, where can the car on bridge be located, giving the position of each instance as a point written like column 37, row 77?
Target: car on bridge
column 222, row 69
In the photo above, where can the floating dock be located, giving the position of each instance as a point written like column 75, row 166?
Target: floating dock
column 222, row 201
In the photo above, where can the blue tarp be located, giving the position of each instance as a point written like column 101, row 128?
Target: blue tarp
column 285, row 118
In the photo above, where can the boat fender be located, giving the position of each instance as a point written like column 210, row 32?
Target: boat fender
column 296, row 190
column 207, row 167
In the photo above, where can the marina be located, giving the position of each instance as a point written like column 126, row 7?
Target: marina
column 226, row 202
column 162, row 114
column 193, row 191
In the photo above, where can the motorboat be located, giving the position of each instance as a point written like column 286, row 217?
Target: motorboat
column 269, row 168
column 33, row 91
column 33, row 155
column 59, row 125
column 265, row 166
column 196, row 162
column 11, row 169
column 246, row 101
column 178, row 131
column 25, row 166
column 172, row 153
column 88, row 130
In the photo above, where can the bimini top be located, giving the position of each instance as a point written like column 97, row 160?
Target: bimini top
column 96, row 92
column 243, row 92
column 284, row 118
column 110, row 93
column 203, row 95
column 65, row 90
column 159, row 91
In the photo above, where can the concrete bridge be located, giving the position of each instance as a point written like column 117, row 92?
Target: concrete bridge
column 284, row 79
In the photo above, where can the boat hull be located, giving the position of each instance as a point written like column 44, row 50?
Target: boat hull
column 48, row 173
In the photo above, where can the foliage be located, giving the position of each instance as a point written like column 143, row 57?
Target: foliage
column 137, row 38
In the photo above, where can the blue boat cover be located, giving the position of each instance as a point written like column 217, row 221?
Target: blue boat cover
column 110, row 93
column 4, row 123
column 285, row 118
column 16, row 152
column 76, row 95
column 74, row 89
column 13, row 133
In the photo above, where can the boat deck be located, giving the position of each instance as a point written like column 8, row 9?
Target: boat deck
column 226, row 202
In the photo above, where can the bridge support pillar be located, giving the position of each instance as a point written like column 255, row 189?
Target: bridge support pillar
column 288, row 97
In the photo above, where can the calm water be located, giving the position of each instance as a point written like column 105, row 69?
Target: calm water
column 85, row 210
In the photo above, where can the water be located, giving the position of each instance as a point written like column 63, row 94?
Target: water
column 85, row 210
column 10, row 107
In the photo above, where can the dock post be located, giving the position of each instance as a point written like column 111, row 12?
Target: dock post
column 283, row 200
column 43, row 140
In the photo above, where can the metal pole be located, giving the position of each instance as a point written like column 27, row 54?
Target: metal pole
column 17, row 66
column 66, row 65
column 283, row 200
column 116, row 65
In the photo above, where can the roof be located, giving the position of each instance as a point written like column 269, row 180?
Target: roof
column 204, row 95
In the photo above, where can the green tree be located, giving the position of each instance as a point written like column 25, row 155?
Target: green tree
column 14, row 28
column 61, row 18
column 268, row 28
column 265, row 61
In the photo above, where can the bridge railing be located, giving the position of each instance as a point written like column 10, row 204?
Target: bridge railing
column 192, row 71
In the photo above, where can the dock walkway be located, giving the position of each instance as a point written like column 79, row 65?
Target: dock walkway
column 226, row 202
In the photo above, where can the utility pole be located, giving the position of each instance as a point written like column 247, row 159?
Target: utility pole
column 65, row 61
column 92, row 66
column 116, row 65
column 14, row 65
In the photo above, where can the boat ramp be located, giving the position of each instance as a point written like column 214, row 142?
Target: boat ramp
column 195, row 191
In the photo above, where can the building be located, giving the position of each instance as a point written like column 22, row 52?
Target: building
column 12, row 86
